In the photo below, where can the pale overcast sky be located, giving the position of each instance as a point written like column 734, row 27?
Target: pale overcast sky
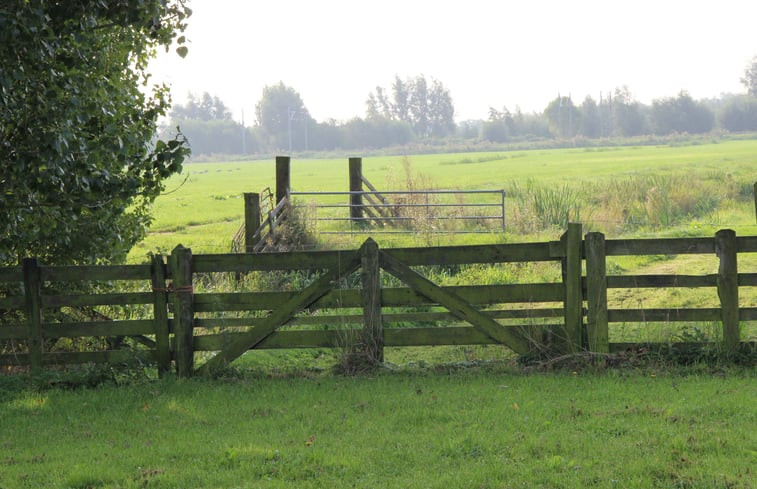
column 487, row 53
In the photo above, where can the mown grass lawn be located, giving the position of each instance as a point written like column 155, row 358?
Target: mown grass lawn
column 472, row 428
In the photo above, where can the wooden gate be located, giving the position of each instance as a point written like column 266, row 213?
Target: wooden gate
column 371, row 260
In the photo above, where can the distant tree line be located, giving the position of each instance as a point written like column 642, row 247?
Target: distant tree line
column 415, row 110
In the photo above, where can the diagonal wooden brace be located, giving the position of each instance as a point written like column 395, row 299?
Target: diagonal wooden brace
column 281, row 315
column 456, row 305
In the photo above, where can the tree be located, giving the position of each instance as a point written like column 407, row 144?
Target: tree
column 605, row 115
column 419, row 102
column 496, row 129
column 401, row 105
column 563, row 117
column 283, row 117
column 77, row 118
column 441, row 110
column 750, row 77
column 740, row 114
column 533, row 124
column 680, row 114
column 378, row 106
column 219, row 136
column 591, row 121
column 469, row 129
column 386, row 108
column 430, row 111
column 371, row 107
column 505, row 126
column 326, row 135
column 374, row 133
column 207, row 108
column 628, row 119
column 207, row 124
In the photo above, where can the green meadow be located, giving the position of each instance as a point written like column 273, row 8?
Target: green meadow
column 711, row 183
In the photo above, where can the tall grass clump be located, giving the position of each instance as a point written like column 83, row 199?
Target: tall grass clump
column 295, row 230
column 654, row 201
column 625, row 204
column 545, row 206
column 421, row 212
column 410, row 209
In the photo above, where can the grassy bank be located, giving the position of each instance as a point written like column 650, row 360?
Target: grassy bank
column 476, row 428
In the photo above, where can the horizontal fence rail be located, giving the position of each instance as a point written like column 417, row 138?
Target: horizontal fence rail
column 386, row 212
column 168, row 314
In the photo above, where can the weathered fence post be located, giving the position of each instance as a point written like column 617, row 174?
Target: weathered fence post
column 252, row 220
column 356, row 185
column 596, row 293
column 282, row 178
column 183, row 310
column 373, row 333
column 728, row 286
column 571, row 269
column 32, row 291
column 160, row 314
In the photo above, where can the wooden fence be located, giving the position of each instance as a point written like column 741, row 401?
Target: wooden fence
column 172, row 311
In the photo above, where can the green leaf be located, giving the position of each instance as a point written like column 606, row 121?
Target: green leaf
column 77, row 128
column 182, row 51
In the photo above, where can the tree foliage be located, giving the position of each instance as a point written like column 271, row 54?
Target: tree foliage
column 750, row 77
column 563, row 117
column 207, row 124
column 205, row 108
column 627, row 116
column 500, row 126
column 430, row 111
column 77, row 118
column 441, row 110
column 680, row 114
column 283, row 117
column 740, row 114
column 374, row 133
column 590, row 119
column 224, row 136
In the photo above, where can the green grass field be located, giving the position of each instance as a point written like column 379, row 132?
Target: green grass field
column 476, row 428
column 204, row 212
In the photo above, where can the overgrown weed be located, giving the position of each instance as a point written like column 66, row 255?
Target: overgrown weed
column 625, row 204
column 428, row 214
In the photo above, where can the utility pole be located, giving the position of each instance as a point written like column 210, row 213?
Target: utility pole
column 291, row 114
column 244, row 142
column 601, row 123
column 289, row 125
